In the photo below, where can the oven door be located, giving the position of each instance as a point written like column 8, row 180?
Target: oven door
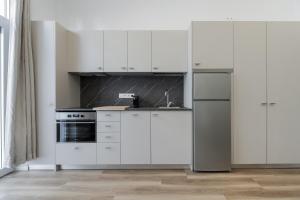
column 76, row 131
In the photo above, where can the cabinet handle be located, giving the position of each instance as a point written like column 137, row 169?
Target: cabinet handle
column 107, row 115
column 108, row 126
column 155, row 68
column 272, row 103
column 264, row 103
column 197, row 64
column 131, row 68
column 124, row 68
column 108, row 137
column 135, row 114
column 76, row 148
column 100, row 68
column 155, row 115
column 108, row 148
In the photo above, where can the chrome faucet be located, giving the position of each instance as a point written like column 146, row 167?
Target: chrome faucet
column 169, row 103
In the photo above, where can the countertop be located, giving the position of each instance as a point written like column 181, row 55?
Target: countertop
column 158, row 109
column 129, row 109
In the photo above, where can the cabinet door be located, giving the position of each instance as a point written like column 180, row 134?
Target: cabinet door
column 169, row 51
column 43, row 45
column 76, row 154
column 283, row 40
column 212, row 44
column 139, row 51
column 135, row 137
column 171, row 133
column 115, row 51
column 108, row 153
column 250, row 107
column 85, row 51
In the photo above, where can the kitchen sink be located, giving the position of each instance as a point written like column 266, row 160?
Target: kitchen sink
column 169, row 107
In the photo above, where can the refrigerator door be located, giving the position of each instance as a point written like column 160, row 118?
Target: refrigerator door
column 212, row 137
column 212, row 86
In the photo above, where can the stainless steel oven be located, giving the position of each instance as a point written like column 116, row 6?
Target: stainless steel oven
column 76, row 127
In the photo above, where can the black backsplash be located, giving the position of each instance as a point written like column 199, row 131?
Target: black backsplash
column 104, row 90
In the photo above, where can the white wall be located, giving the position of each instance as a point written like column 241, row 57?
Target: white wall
column 158, row 14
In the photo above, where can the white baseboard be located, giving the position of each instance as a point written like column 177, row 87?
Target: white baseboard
column 26, row 167
column 98, row 167
column 265, row 166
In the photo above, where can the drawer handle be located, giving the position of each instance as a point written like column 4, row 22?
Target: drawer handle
column 197, row 64
column 155, row 115
column 108, row 126
column 155, row 68
column 124, row 68
column 76, row 148
column 108, row 137
column 131, row 68
column 100, row 68
column 135, row 114
column 108, row 148
column 107, row 115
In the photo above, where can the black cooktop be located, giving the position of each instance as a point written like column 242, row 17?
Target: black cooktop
column 75, row 109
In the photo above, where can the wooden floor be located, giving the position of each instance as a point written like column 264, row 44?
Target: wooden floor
column 151, row 184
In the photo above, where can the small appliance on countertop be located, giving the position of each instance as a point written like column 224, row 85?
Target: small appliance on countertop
column 135, row 101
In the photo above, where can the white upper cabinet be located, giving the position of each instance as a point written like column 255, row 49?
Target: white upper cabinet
column 283, row 92
column 171, row 135
column 115, row 51
column 135, row 137
column 169, row 51
column 250, row 108
column 85, row 51
column 139, row 51
column 212, row 44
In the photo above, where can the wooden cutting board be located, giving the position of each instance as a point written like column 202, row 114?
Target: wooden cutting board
column 111, row 108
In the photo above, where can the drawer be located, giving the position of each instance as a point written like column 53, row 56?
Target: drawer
column 108, row 127
column 108, row 116
column 108, row 137
column 108, row 153
column 76, row 154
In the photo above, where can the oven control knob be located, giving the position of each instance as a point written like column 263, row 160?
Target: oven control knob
column 69, row 116
column 82, row 115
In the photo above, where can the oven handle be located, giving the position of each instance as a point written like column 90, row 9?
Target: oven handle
column 75, row 122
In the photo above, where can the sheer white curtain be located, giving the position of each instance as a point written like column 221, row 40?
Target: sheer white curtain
column 20, row 122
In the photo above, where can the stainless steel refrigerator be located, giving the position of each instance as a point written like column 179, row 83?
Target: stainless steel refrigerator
column 212, row 121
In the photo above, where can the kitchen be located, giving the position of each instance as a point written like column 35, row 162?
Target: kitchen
column 125, row 100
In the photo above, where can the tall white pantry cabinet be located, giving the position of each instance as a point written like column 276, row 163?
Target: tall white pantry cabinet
column 49, row 52
column 266, row 93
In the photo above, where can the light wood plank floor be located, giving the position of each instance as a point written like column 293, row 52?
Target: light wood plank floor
column 242, row 184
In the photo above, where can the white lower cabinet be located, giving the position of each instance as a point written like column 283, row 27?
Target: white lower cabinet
column 135, row 137
column 108, row 153
column 76, row 154
column 108, row 138
column 171, row 135
column 138, row 138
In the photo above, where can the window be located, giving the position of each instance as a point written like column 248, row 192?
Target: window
column 4, row 32
column 4, row 8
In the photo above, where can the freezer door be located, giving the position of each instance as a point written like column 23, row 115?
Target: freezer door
column 212, row 85
column 212, row 136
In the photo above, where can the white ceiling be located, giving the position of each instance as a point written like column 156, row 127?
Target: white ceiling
column 158, row 14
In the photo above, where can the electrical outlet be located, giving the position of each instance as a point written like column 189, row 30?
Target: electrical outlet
column 126, row 95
